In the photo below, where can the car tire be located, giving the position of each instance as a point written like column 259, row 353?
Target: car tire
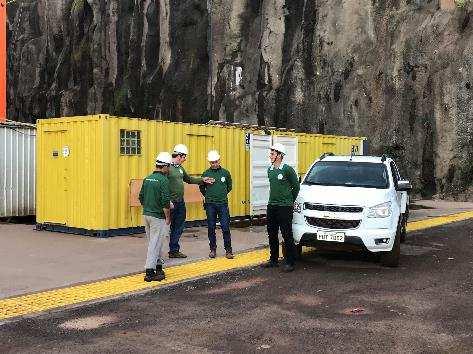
column 403, row 228
column 298, row 251
column 391, row 258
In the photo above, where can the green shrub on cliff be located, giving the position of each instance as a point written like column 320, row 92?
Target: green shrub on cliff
column 461, row 3
column 77, row 7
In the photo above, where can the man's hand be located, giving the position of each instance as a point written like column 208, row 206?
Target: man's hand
column 208, row 180
column 168, row 221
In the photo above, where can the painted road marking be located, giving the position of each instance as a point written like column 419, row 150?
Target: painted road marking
column 53, row 299
column 438, row 221
column 48, row 300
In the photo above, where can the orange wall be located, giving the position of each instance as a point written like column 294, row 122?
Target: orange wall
column 3, row 60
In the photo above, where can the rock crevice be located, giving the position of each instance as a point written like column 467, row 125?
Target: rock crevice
column 397, row 72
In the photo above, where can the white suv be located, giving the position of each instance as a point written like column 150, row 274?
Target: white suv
column 353, row 200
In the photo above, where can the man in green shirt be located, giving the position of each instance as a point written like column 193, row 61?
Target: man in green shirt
column 155, row 199
column 177, row 177
column 283, row 190
column 216, row 203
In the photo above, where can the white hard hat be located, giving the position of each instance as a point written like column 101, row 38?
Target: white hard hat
column 213, row 155
column 163, row 158
column 181, row 149
column 279, row 148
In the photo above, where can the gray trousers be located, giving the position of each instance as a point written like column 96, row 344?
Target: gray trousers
column 156, row 232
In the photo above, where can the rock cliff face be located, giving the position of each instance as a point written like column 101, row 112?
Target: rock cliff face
column 396, row 71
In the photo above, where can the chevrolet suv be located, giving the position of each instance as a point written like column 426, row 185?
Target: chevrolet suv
column 359, row 201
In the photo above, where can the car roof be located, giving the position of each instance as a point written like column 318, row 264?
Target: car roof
column 356, row 158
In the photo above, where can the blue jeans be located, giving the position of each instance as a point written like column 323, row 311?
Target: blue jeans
column 221, row 210
column 178, row 218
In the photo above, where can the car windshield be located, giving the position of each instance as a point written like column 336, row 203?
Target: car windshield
column 348, row 174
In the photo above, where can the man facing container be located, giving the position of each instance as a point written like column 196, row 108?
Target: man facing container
column 177, row 177
column 283, row 190
column 216, row 203
column 155, row 199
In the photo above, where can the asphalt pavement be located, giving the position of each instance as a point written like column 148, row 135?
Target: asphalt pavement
column 333, row 302
column 32, row 261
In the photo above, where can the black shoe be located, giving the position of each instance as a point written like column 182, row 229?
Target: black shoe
column 270, row 264
column 288, row 268
column 177, row 254
column 159, row 273
column 150, row 275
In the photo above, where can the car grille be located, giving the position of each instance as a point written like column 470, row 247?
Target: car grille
column 333, row 208
column 333, row 223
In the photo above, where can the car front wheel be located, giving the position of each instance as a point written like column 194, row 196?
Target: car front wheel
column 391, row 258
column 298, row 251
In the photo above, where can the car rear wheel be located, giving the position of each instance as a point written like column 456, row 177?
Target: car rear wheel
column 391, row 258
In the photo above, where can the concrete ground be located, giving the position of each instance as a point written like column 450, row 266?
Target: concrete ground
column 32, row 261
column 341, row 303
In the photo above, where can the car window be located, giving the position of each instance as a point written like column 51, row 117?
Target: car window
column 348, row 174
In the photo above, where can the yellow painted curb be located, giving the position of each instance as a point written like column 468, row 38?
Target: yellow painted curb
column 52, row 299
column 437, row 221
column 27, row 304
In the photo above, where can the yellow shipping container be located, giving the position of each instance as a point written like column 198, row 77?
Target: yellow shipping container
column 85, row 166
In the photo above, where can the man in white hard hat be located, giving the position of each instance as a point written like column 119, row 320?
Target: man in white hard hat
column 177, row 177
column 216, row 203
column 283, row 190
column 155, row 198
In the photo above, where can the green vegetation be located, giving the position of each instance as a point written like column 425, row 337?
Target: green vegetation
column 461, row 3
column 81, row 52
column 120, row 98
column 77, row 7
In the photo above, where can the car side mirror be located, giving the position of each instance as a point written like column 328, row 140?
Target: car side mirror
column 403, row 186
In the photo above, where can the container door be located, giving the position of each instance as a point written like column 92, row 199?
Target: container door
column 56, row 181
column 291, row 143
column 259, row 183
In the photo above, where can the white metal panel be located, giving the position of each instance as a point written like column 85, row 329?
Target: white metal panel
column 17, row 169
column 291, row 157
column 259, row 183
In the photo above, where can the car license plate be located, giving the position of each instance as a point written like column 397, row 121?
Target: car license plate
column 331, row 236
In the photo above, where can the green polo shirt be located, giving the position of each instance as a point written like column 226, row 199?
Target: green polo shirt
column 217, row 192
column 177, row 176
column 154, row 195
column 283, row 185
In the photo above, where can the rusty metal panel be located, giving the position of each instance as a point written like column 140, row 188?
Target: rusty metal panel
column 17, row 169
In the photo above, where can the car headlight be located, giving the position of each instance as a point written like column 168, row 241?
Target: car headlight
column 382, row 210
column 298, row 207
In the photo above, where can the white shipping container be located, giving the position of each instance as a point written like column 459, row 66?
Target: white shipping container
column 17, row 169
